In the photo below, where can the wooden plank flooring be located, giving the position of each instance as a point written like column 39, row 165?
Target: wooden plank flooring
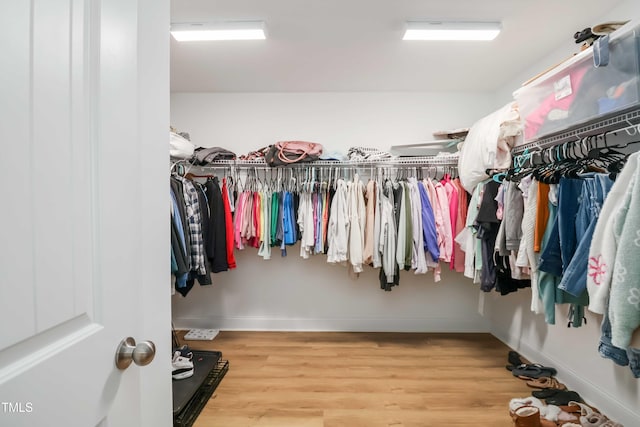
column 340, row 379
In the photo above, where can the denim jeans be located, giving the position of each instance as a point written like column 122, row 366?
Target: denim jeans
column 572, row 215
column 569, row 193
column 594, row 191
column 634, row 361
column 551, row 256
column 608, row 350
column 574, row 279
column 630, row 356
column 585, row 210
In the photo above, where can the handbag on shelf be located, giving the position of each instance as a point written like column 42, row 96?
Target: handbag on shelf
column 287, row 152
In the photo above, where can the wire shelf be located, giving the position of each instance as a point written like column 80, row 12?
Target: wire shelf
column 418, row 161
column 624, row 121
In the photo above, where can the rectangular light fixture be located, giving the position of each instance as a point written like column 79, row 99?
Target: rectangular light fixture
column 210, row 31
column 439, row 30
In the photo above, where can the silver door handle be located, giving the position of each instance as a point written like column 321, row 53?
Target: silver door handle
column 128, row 351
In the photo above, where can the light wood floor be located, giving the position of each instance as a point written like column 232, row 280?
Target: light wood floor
column 305, row 379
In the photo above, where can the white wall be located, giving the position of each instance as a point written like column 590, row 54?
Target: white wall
column 573, row 351
column 295, row 294
column 247, row 121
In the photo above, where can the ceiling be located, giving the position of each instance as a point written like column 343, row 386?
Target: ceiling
column 356, row 45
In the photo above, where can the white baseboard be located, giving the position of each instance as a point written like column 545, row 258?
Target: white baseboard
column 599, row 397
column 333, row 324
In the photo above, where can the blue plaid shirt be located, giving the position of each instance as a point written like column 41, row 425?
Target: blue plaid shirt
column 194, row 219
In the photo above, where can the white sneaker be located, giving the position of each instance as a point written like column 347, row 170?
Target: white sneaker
column 182, row 366
column 185, row 351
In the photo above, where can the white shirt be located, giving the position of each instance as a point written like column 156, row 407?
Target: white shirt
column 357, row 220
column 338, row 229
column 306, row 224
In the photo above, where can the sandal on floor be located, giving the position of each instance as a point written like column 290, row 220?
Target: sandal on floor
column 589, row 417
column 514, row 360
column 545, row 393
column 593, row 420
column 563, row 397
column 596, row 419
column 546, row 382
column 572, row 409
column 585, row 410
column 528, row 371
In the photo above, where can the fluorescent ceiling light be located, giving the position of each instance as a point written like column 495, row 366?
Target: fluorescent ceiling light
column 438, row 30
column 249, row 30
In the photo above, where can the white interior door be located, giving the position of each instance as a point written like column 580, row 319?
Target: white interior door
column 84, row 243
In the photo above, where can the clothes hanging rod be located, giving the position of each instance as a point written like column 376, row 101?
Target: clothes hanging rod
column 623, row 127
column 418, row 161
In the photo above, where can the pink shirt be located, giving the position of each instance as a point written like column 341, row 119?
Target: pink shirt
column 461, row 221
column 452, row 196
column 446, row 250
column 237, row 225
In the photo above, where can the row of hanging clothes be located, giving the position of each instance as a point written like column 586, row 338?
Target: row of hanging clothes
column 553, row 221
column 400, row 218
column 201, row 241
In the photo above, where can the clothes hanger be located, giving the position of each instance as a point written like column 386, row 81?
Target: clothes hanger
column 178, row 168
column 606, row 158
column 323, row 183
column 524, row 164
column 570, row 164
column 615, row 167
column 497, row 175
column 550, row 171
column 173, row 167
column 292, row 181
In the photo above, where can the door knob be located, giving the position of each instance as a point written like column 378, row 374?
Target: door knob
column 128, row 351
